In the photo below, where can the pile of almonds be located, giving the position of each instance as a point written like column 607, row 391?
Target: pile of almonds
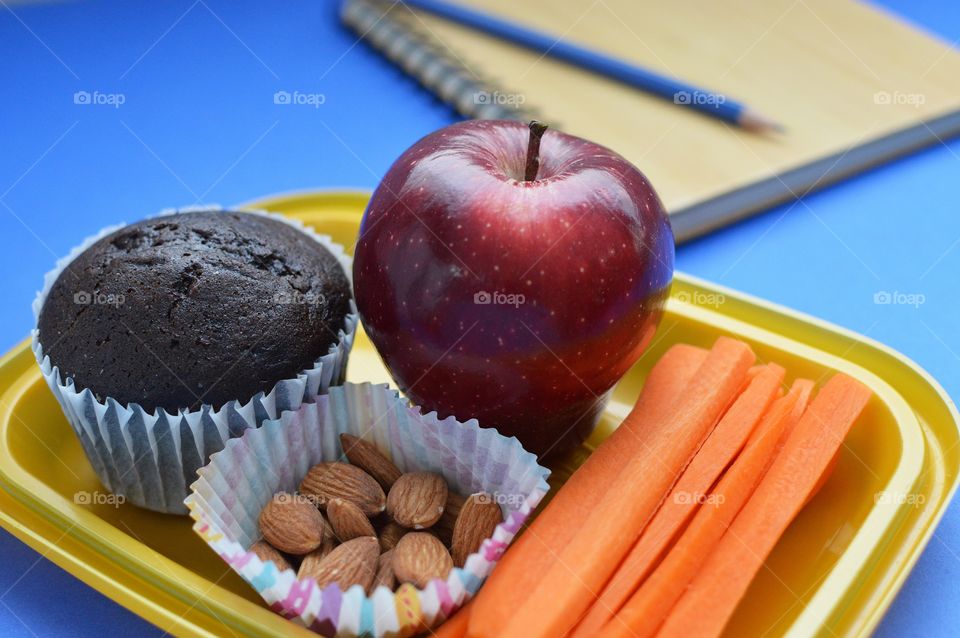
column 366, row 523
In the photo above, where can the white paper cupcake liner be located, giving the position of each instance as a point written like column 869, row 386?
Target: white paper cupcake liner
column 151, row 459
column 227, row 498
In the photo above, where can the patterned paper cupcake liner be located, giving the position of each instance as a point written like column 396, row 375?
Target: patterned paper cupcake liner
column 227, row 498
column 151, row 458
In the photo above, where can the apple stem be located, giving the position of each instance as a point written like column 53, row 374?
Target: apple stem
column 533, row 150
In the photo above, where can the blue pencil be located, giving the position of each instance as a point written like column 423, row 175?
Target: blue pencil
column 680, row 93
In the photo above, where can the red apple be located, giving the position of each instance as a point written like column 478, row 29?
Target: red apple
column 512, row 280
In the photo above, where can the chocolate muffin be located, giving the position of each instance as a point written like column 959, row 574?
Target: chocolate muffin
column 195, row 308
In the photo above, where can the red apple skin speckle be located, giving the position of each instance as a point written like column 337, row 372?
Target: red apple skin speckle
column 576, row 266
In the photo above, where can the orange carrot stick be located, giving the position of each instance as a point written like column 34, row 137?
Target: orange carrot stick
column 715, row 592
column 456, row 626
column 823, row 477
column 804, row 389
column 609, row 524
column 528, row 559
column 645, row 611
column 720, row 448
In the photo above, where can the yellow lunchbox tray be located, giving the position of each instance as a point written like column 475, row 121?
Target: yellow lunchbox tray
column 835, row 571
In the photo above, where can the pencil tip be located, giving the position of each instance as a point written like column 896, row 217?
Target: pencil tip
column 753, row 121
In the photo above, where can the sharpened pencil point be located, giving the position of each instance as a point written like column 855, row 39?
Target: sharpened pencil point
column 753, row 121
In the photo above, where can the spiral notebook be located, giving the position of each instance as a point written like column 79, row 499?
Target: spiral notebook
column 853, row 86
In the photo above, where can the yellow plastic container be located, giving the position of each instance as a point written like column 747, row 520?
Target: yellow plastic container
column 835, row 572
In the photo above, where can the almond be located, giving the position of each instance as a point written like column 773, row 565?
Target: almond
column 292, row 524
column 417, row 499
column 347, row 520
column 311, row 560
column 419, row 558
column 349, row 564
column 385, row 575
column 476, row 522
column 444, row 527
column 342, row 480
column 267, row 553
column 369, row 459
column 390, row 535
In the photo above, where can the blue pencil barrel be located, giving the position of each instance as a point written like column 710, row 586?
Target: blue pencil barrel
column 668, row 88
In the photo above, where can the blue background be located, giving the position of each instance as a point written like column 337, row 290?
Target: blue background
column 199, row 125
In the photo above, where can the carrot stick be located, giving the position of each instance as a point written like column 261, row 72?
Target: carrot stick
column 529, row 557
column 715, row 592
column 455, row 626
column 823, row 477
column 720, row 448
column 804, row 388
column 610, row 522
column 755, row 370
column 645, row 611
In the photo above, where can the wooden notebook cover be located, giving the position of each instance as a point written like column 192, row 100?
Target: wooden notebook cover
column 852, row 85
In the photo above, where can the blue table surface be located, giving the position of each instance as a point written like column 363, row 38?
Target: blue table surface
column 199, row 124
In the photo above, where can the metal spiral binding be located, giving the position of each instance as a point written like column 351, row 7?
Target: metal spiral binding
column 424, row 59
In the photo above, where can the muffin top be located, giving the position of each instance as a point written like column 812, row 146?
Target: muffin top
column 194, row 308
